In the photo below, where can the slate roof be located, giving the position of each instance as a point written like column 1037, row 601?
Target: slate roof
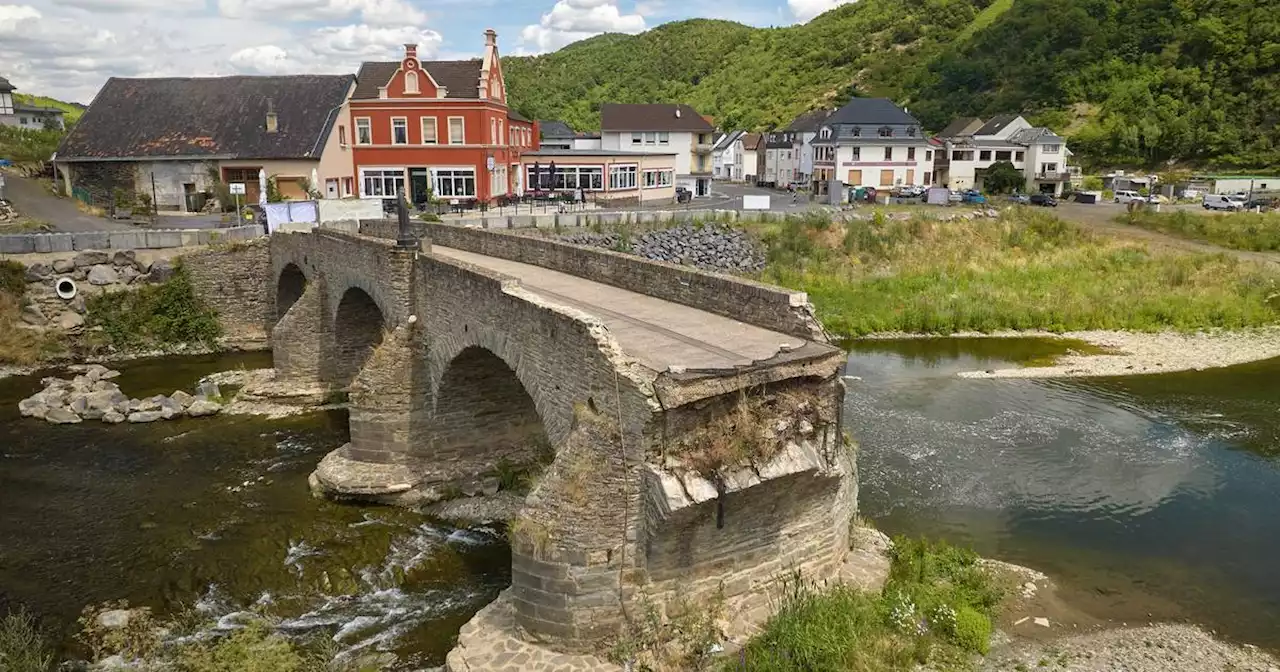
column 551, row 128
column 1031, row 136
column 516, row 116
column 809, row 121
column 752, row 141
column 961, row 126
column 652, row 117
column 36, row 109
column 461, row 79
column 5, row 86
column 207, row 117
column 992, row 127
column 728, row 139
column 872, row 111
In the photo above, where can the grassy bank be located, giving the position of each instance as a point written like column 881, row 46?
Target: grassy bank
column 936, row 608
column 1026, row 270
column 1259, row 232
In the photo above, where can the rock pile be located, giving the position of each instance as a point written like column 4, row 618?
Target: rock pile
column 710, row 247
column 8, row 213
column 93, row 272
column 91, row 395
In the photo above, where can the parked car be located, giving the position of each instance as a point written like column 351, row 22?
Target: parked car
column 1020, row 199
column 1125, row 196
column 1220, row 202
column 973, row 196
column 1044, row 200
column 955, row 197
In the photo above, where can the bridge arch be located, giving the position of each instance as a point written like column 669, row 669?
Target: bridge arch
column 290, row 286
column 358, row 328
column 483, row 410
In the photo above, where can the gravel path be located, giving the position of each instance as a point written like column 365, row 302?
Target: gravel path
column 1155, row 648
column 1100, row 218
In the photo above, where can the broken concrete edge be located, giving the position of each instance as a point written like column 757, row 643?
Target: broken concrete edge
column 146, row 239
column 671, row 490
column 816, row 360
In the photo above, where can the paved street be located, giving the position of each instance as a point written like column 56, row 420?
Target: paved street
column 34, row 201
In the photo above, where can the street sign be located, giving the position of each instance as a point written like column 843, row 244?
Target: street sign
column 237, row 188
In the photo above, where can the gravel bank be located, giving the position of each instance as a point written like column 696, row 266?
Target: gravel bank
column 1154, row 648
column 1137, row 353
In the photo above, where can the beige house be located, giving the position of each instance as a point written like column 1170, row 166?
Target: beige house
column 612, row 175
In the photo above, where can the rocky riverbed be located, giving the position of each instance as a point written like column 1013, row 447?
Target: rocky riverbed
column 92, row 395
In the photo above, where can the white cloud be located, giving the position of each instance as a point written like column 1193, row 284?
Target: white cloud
column 376, row 12
column 807, row 9
column 573, row 20
column 335, row 49
column 135, row 5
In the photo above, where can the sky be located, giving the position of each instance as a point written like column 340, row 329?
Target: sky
column 68, row 48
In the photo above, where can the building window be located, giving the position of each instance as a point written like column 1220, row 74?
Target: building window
column 856, row 132
column 346, row 186
column 650, row 138
column 857, row 154
column 457, row 130
column 928, row 155
column 886, row 132
column 658, row 178
column 637, row 138
column 429, row 131
column 399, row 131
column 454, row 182
column 825, row 132
column 381, row 182
column 928, row 178
column 1049, row 168
column 244, row 175
column 1052, row 149
column 622, row 177
column 1005, row 155
column 911, row 131
column 342, row 134
column 364, row 131
column 502, row 128
column 588, row 178
column 962, row 155
column 1018, row 156
column 888, row 153
column 410, row 82
column 984, row 155
column 911, row 153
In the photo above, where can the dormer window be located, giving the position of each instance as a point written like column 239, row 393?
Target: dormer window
column 856, row 132
column 411, row 82
column 886, row 132
column 825, row 132
column 911, row 131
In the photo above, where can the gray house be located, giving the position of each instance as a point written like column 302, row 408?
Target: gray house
column 34, row 117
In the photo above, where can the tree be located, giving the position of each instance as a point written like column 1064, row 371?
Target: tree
column 1002, row 178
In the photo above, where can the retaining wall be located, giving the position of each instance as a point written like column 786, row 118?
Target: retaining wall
column 150, row 239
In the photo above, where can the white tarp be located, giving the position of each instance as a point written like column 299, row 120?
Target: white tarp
column 755, row 202
column 939, row 196
column 302, row 213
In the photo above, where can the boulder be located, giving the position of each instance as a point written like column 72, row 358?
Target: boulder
column 128, row 274
column 113, row 417
column 61, row 416
column 91, row 258
column 64, row 266
column 160, row 272
column 38, row 272
column 70, row 321
column 103, row 275
column 209, row 390
column 110, row 374
column 202, row 407
column 80, row 274
column 31, row 314
column 79, row 404
column 182, row 398
column 142, row 265
column 94, row 372
column 145, row 416
column 149, row 404
column 32, row 407
column 77, row 304
column 170, row 409
column 124, row 257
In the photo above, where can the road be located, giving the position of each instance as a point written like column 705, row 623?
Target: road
column 1101, row 218
column 33, row 200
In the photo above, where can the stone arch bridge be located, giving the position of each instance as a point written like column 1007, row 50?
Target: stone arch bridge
column 686, row 423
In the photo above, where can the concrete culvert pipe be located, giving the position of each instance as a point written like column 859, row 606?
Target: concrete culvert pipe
column 66, row 288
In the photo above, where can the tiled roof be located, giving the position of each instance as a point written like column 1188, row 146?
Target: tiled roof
column 652, row 117
column 752, row 141
column 872, row 111
column 516, row 116
column 961, row 126
column 208, row 116
column 461, row 79
column 551, row 128
column 992, row 127
column 809, row 121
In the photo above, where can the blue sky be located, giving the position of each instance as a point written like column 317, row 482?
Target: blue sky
column 68, row 48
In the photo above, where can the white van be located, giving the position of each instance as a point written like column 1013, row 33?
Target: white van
column 1221, row 202
column 1124, row 196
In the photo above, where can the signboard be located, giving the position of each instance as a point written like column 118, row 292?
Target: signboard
column 755, row 202
column 237, row 188
column 489, row 163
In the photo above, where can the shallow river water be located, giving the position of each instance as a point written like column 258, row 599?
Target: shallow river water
column 1146, row 497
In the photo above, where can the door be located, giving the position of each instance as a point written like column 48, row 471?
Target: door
column 911, row 176
column 855, row 178
column 886, row 178
column 517, row 179
column 331, row 188
column 419, row 186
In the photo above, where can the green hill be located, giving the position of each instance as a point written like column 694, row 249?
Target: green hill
column 73, row 110
column 1131, row 82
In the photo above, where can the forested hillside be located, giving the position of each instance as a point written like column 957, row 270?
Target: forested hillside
column 1131, row 82
column 72, row 110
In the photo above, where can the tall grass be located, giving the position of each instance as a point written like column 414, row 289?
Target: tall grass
column 22, row 646
column 1259, row 232
column 1027, row 270
column 936, row 607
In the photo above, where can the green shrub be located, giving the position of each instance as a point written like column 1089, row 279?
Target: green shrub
column 972, row 630
column 13, row 278
column 22, row 647
column 155, row 315
column 429, row 217
column 252, row 649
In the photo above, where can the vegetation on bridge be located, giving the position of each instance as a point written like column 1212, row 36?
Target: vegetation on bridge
column 1028, row 270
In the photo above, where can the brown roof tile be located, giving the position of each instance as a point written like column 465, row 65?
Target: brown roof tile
column 652, row 117
column 460, row 78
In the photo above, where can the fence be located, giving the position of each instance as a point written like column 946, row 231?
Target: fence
column 28, row 243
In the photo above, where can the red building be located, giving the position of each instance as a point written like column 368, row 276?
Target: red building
column 436, row 127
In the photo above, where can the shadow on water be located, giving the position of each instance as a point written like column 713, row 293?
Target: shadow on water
column 1147, row 497
column 216, row 514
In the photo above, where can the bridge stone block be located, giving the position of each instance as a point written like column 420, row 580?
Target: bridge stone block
column 384, row 402
column 298, row 339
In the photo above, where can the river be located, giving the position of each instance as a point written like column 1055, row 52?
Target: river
column 1143, row 495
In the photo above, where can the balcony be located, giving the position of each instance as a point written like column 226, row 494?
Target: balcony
column 702, row 147
column 1053, row 176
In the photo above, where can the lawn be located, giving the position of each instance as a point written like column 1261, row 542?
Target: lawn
column 1259, row 232
column 1027, row 270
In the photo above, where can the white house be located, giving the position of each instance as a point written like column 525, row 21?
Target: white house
column 557, row 135
column 726, row 157
column 32, row 117
column 780, row 161
column 804, row 130
column 675, row 128
column 970, row 146
column 752, row 157
column 871, row 142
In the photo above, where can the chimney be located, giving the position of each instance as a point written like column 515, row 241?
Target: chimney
column 411, row 51
column 677, row 113
column 490, row 38
column 273, row 121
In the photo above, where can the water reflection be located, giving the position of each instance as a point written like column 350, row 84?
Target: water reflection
column 1145, row 494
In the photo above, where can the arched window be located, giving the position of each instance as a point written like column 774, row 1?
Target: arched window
column 410, row 82
column 826, row 132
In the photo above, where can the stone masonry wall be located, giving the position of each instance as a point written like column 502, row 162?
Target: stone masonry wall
column 237, row 283
column 751, row 302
